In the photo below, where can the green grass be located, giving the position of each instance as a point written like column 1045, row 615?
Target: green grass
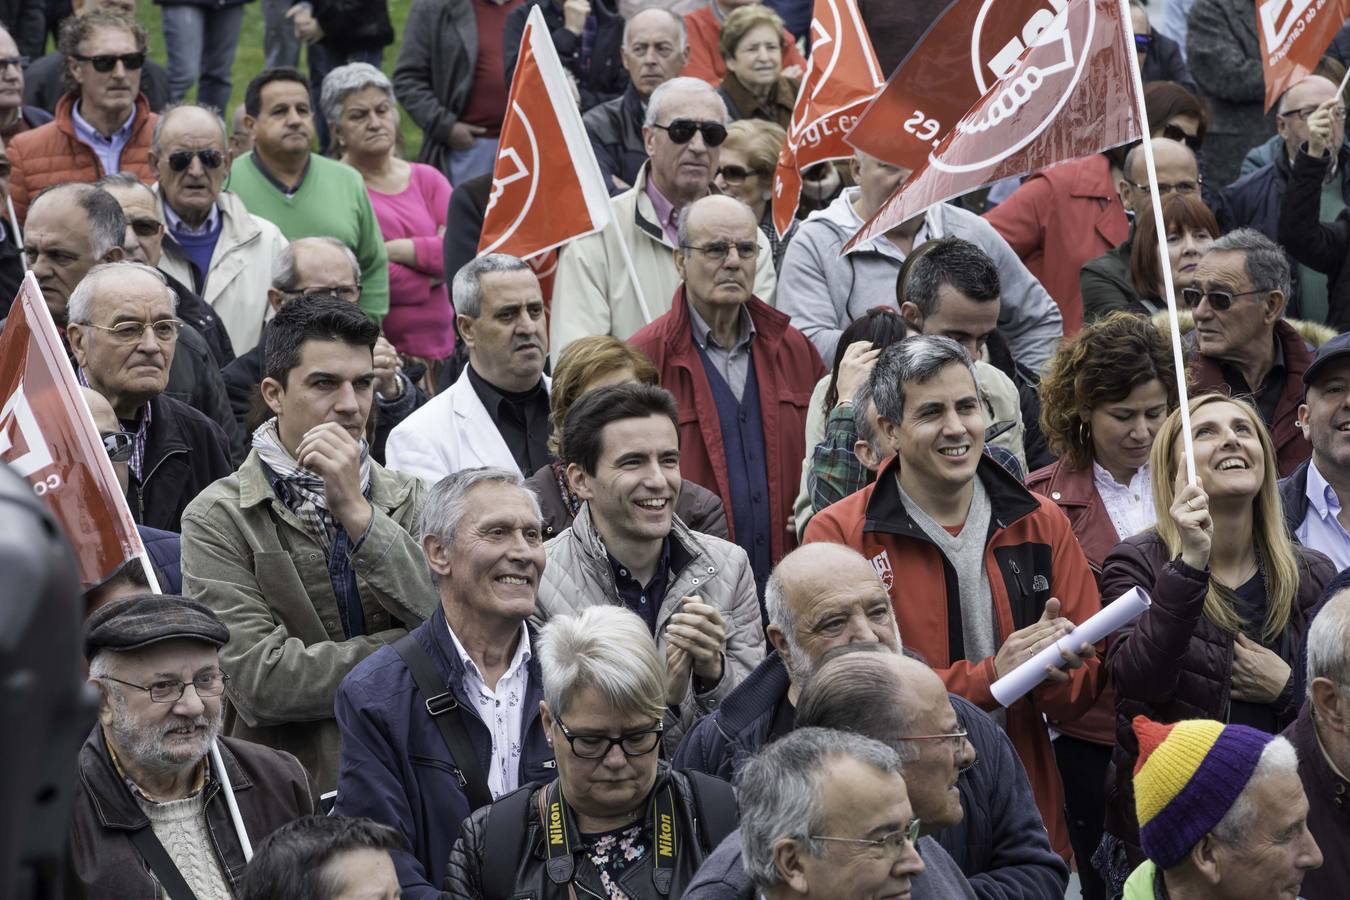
column 248, row 58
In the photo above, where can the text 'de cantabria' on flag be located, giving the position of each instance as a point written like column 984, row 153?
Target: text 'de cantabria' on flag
column 1070, row 94
column 1294, row 34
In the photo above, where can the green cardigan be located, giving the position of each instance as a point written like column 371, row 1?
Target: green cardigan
column 331, row 202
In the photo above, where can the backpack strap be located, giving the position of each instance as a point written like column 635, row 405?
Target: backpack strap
column 504, row 832
column 160, row 863
column 448, row 715
column 714, row 805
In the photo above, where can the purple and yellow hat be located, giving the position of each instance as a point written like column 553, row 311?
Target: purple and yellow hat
column 1189, row 774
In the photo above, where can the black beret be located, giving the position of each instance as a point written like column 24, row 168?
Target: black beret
column 128, row 623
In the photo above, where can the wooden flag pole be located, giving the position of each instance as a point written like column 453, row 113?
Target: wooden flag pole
column 1169, row 290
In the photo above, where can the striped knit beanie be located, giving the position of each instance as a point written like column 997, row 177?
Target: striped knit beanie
column 1189, row 774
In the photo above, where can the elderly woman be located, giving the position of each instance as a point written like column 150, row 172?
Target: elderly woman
column 745, row 171
column 596, row 362
column 617, row 822
column 1232, row 598
column 1104, row 396
column 410, row 202
column 754, row 86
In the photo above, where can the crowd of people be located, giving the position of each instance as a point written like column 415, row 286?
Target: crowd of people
column 686, row 570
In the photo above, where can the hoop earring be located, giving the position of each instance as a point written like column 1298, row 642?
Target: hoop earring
column 1084, row 434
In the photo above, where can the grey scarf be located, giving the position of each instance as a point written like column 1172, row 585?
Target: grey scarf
column 302, row 490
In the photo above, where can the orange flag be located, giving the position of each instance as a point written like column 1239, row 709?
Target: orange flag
column 48, row 436
column 842, row 77
column 1294, row 34
column 546, row 185
column 1070, row 94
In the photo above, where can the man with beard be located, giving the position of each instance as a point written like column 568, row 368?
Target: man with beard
column 150, row 813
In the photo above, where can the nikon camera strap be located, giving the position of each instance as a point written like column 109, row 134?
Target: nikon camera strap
column 561, row 841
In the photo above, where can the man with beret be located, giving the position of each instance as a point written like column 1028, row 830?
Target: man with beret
column 1222, row 814
column 150, row 813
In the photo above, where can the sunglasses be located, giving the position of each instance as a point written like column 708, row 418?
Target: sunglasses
column 118, row 445
column 146, row 227
column 681, row 131
column 734, row 174
column 1143, row 41
column 132, row 61
column 1175, row 133
column 17, row 62
column 1218, row 300
column 179, row 160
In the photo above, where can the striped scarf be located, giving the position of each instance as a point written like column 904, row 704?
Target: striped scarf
column 301, row 490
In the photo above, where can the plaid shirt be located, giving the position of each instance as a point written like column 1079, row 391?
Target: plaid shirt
column 137, row 461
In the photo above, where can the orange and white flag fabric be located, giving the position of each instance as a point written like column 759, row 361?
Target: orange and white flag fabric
column 48, row 436
column 842, row 77
column 547, row 188
column 1294, row 34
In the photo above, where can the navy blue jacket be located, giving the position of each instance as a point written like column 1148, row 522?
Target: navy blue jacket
column 165, row 551
column 1164, row 62
column 1000, row 844
column 395, row 766
column 1321, row 246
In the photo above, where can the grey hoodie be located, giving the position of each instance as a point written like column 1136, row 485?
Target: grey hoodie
column 823, row 291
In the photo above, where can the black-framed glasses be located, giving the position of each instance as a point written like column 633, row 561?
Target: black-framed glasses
column 1178, row 134
column 118, row 445
column 1218, row 300
column 17, row 62
column 349, row 292
column 597, row 746
column 1302, row 113
column 211, row 158
column 681, row 131
column 734, row 174
column 718, row 250
column 146, row 227
column 211, row 685
column 106, row 63
column 165, row 330
column 1165, row 188
column 891, row 844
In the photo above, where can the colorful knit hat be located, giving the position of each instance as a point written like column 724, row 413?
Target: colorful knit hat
column 1188, row 776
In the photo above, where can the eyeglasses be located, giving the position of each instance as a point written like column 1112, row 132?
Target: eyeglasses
column 146, row 227
column 17, row 62
column 212, row 685
column 597, row 746
column 118, row 445
column 179, row 160
column 890, row 844
column 1143, row 41
column 1176, row 133
column 132, row 61
column 165, row 330
column 681, row 131
column 1218, row 300
column 1337, row 113
column 1164, row 188
column 718, row 250
column 349, row 292
column 735, row 174
column 956, row 739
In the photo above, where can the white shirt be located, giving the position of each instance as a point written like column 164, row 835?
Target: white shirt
column 501, row 710
column 1321, row 528
column 1130, row 506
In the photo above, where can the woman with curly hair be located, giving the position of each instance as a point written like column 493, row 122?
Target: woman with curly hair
column 1103, row 398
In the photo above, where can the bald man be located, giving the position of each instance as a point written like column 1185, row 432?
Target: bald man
column 722, row 348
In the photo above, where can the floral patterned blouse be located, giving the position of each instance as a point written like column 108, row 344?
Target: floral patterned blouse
column 614, row 851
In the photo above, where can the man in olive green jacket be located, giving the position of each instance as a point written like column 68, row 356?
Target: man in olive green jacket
column 307, row 553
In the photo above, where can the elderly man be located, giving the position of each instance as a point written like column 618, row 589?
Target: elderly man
column 213, row 244
column 15, row 116
column 123, row 335
column 682, row 130
column 401, row 766
column 696, row 592
column 822, row 599
column 722, row 349
column 958, row 540
column 149, row 814
column 496, row 413
column 302, row 193
column 307, row 552
column 655, row 48
column 1221, row 814
column 45, row 77
column 103, row 124
column 823, row 291
column 1242, row 344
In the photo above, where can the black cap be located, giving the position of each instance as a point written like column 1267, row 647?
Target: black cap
column 129, row 623
column 1334, row 349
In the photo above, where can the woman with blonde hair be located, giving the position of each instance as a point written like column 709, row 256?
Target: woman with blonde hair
column 1232, row 597
column 585, row 365
column 745, row 170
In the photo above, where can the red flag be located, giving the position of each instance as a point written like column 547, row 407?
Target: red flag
column 547, row 188
column 1294, row 34
column 1071, row 94
column 842, row 77
column 969, row 48
column 48, row 437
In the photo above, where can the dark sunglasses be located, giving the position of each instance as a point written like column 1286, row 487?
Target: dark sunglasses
column 18, row 62
column 1143, row 41
column 734, row 174
column 118, row 445
column 146, row 227
column 1218, row 300
column 179, row 160
column 132, row 61
column 1174, row 133
column 681, row 131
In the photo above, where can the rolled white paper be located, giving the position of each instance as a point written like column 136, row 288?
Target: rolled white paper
column 1021, row 680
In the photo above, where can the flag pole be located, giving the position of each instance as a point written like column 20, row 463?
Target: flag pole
column 1169, row 290
column 18, row 235
column 632, row 272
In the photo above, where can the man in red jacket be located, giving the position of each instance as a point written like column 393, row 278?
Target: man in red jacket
column 742, row 377
column 983, row 573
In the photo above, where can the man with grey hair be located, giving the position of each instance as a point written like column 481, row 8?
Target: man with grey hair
column 211, row 242
column 1243, row 346
column 596, row 291
column 123, row 334
column 655, row 48
column 496, row 413
column 482, row 539
column 982, row 572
